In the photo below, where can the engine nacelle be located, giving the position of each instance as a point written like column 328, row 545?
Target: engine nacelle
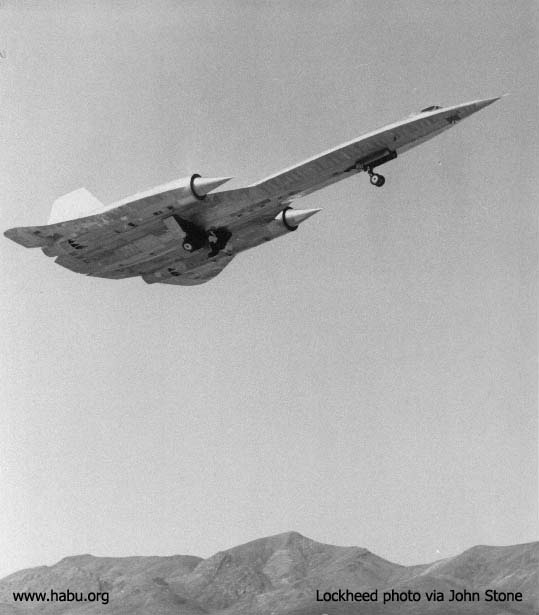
column 285, row 222
column 184, row 190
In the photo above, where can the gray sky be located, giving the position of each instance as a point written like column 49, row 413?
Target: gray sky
column 369, row 380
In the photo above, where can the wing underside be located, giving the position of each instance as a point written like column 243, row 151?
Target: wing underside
column 177, row 273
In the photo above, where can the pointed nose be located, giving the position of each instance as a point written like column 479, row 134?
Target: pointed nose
column 466, row 109
column 481, row 104
column 202, row 185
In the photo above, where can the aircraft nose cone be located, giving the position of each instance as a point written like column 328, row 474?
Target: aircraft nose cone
column 466, row 109
column 481, row 104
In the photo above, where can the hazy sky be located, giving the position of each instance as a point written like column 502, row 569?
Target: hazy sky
column 370, row 380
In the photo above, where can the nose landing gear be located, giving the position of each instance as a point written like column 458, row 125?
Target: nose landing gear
column 376, row 179
column 368, row 163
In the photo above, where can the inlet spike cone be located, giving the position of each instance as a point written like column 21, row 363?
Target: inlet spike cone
column 292, row 218
column 202, row 185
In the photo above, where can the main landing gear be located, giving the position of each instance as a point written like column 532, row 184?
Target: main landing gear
column 216, row 239
column 196, row 237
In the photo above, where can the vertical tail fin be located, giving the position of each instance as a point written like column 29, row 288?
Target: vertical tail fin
column 76, row 204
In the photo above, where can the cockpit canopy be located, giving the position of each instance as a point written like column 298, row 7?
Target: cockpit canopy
column 432, row 108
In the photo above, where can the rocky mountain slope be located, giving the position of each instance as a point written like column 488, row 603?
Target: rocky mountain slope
column 278, row 575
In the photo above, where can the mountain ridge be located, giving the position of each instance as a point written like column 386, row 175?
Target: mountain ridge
column 283, row 574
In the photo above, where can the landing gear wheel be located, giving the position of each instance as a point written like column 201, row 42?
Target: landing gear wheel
column 377, row 180
column 188, row 247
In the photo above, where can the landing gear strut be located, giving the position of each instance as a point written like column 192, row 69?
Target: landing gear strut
column 195, row 237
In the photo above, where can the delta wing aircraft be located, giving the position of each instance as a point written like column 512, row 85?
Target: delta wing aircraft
column 185, row 232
